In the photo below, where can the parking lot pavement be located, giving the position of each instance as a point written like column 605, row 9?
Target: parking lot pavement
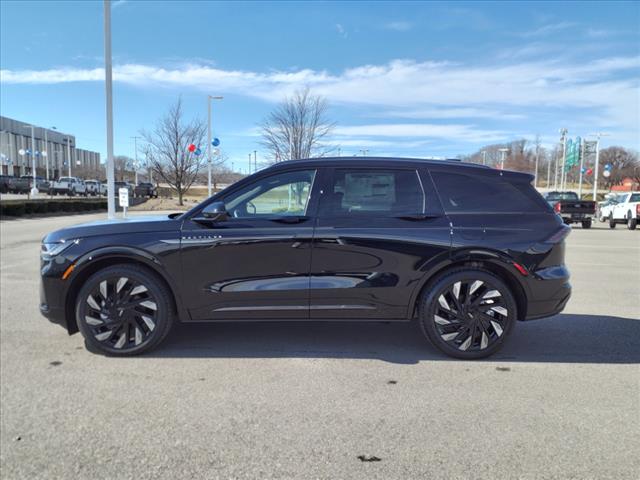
column 562, row 400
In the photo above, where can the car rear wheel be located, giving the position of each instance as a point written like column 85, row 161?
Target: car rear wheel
column 632, row 223
column 467, row 313
column 586, row 223
column 123, row 310
column 612, row 222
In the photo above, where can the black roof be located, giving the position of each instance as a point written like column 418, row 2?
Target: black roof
column 361, row 161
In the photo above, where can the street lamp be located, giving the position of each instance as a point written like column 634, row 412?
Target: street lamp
column 34, row 188
column 209, row 98
column 504, row 152
column 595, row 170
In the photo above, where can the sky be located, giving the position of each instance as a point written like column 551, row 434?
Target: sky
column 402, row 79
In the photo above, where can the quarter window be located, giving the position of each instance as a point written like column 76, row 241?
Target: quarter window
column 284, row 194
column 461, row 193
column 373, row 192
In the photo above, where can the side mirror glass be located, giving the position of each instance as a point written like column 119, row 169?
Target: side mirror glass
column 215, row 212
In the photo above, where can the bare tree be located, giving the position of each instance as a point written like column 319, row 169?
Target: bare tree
column 168, row 149
column 297, row 127
column 122, row 166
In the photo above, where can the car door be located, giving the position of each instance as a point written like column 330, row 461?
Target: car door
column 377, row 230
column 255, row 263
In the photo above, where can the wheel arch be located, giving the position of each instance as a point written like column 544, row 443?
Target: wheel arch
column 494, row 262
column 94, row 261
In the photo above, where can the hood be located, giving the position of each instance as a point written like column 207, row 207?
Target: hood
column 117, row 226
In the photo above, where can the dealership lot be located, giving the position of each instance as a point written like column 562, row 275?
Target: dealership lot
column 561, row 400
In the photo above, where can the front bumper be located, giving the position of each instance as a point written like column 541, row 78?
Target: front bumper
column 53, row 292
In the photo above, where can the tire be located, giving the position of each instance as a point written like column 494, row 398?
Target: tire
column 447, row 325
column 632, row 223
column 612, row 222
column 134, row 329
column 586, row 223
column 72, row 193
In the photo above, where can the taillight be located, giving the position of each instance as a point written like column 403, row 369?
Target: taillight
column 637, row 209
column 557, row 207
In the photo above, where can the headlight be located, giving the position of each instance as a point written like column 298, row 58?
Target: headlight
column 50, row 250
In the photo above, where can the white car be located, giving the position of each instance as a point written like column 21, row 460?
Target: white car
column 103, row 189
column 68, row 186
column 93, row 187
column 626, row 210
column 606, row 207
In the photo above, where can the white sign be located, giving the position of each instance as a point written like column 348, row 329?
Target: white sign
column 123, row 197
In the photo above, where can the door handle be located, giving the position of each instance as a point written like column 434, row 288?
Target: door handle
column 417, row 217
column 289, row 220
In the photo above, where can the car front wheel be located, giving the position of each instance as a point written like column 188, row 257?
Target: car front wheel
column 467, row 313
column 123, row 310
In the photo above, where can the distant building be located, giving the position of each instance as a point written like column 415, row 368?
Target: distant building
column 15, row 137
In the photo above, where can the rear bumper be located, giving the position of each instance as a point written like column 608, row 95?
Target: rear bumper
column 549, row 292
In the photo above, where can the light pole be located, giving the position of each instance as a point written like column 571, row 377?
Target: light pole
column 595, row 170
column 111, row 194
column 34, row 188
column 135, row 155
column 45, row 152
column 255, row 160
column 502, row 159
column 249, row 171
column 209, row 140
column 584, row 142
column 484, row 157
column 535, row 177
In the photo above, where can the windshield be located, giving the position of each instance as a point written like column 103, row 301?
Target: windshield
column 555, row 196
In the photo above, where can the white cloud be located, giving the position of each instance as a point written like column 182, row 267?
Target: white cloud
column 607, row 88
column 549, row 28
column 341, row 30
column 399, row 26
column 464, row 133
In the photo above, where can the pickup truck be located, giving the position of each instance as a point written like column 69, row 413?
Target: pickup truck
column 626, row 210
column 68, row 186
column 146, row 189
column 42, row 184
column 11, row 184
column 93, row 187
column 572, row 210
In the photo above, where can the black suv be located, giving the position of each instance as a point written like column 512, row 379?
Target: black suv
column 464, row 250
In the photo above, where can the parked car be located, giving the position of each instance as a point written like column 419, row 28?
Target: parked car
column 11, row 184
column 605, row 207
column 445, row 243
column 42, row 184
column 127, row 185
column 626, row 210
column 571, row 209
column 93, row 187
column 68, row 186
column 103, row 188
column 146, row 189
column 5, row 183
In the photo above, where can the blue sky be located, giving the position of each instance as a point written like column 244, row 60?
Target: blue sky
column 409, row 79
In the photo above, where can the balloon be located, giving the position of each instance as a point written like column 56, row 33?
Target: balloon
column 583, row 170
column 607, row 166
column 606, row 173
column 191, row 147
column 589, row 171
column 22, row 151
column 198, row 151
column 215, row 142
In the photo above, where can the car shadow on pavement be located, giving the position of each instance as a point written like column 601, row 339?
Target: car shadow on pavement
column 564, row 338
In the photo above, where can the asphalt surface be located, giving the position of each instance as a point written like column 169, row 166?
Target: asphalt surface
column 561, row 400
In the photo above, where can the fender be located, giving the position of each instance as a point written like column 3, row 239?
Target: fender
column 128, row 253
column 448, row 259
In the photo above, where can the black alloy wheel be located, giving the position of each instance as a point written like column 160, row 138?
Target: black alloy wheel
column 123, row 310
column 468, row 313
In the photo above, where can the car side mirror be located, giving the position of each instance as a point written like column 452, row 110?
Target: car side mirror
column 215, row 212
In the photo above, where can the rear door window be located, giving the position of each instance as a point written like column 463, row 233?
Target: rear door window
column 467, row 193
column 379, row 192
